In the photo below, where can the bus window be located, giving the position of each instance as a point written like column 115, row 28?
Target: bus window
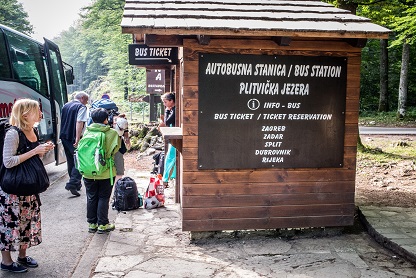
column 5, row 71
column 58, row 75
column 27, row 62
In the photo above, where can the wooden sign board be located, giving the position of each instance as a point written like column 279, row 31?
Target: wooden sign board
column 155, row 81
column 259, row 111
column 141, row 54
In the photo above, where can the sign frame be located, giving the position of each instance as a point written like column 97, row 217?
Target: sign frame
column 155, row 81
column 270, row 111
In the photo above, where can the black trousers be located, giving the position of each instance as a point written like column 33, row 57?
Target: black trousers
column 74, row 175
column 98, row 198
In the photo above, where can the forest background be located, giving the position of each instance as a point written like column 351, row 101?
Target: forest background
column 98, row 51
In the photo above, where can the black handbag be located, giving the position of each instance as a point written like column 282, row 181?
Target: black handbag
column 27, row 178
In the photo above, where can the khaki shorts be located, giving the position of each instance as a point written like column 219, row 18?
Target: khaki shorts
column 119, row 162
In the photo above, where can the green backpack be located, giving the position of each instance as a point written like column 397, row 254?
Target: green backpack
column 90, row 155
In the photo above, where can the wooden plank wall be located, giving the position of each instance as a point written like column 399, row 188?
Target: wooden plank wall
column 215, row 200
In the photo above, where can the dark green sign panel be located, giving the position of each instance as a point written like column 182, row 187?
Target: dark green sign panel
column 258, row 111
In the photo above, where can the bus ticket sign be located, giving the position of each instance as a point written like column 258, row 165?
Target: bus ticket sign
column 141, row 54
column 264, row 111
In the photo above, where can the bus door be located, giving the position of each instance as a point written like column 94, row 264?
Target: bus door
column 58, row 94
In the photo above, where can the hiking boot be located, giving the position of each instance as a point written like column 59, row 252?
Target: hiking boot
column 92, row 228
column 27, row 261
column 14, row 267
column 105, row 228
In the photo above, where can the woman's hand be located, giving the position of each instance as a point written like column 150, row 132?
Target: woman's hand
column 39, row 150
column 162, row 124
column 44, row 148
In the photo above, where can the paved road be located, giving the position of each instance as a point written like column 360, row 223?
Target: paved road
column 387, row 130
column 64, row 230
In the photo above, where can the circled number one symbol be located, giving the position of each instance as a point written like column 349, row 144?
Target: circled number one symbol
column 253, row 104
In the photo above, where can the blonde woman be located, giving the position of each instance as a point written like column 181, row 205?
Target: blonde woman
column 20, row 218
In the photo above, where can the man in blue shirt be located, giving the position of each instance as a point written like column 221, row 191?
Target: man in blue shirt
column 74, row 116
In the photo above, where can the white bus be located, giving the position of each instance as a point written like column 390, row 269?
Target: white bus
column 30, row 69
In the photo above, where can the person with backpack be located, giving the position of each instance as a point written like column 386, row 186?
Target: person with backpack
column 73, row 119
column 121, row 126
column 95, row 161
column 20, row 217
column 107, row 104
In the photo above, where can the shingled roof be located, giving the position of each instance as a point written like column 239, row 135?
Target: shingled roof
column 290, row 18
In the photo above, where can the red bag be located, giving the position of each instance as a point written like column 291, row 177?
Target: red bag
column 156, row 189
column 151, row 189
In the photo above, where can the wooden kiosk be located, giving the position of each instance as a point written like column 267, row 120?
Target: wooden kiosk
column 268, row 97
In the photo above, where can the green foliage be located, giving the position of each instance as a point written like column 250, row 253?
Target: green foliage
column 14, row 16
column 370, row 77
column 143, row 132
column 97, row 50
column 370, row 84
column 405, row 27
column 378, row 151
column 399, row 16
column 371, row 118
column 390, row 15
column 136, row 143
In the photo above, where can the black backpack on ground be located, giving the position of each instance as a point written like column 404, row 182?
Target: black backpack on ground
column 126, row 196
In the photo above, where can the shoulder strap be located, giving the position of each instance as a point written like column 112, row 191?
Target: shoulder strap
column 21, row 148
column 36, row 130
column 110, row 159
column 102, row 139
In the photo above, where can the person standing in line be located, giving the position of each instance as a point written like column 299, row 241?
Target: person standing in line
column 121, row 126
column 73, row 120
column 99, row 187
column 169, row 120
column 20, row 217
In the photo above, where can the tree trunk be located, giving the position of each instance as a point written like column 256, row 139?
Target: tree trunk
column 383, row 105
column 401, row 110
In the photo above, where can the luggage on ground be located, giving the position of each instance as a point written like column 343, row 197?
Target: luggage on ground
column 126, row 196
column 154, row 196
